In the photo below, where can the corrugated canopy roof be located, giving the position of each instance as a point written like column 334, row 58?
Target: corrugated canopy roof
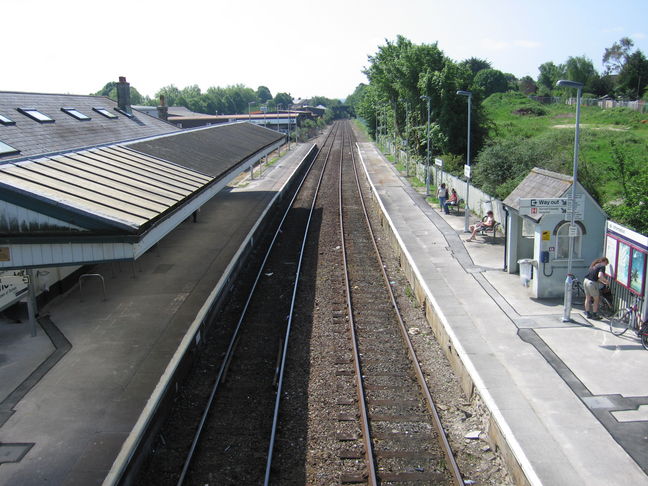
column 213, row 150
column 106, row 188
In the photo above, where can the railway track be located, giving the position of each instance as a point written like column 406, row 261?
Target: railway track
column 318, row 383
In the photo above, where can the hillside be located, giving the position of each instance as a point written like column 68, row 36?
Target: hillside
column 613, row 156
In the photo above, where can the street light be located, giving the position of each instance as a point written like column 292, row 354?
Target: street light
column 569, row 280
column 427, row 156
column 467, row 170
column 250, row 103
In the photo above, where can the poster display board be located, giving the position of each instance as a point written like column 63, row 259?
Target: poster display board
column 628, row 254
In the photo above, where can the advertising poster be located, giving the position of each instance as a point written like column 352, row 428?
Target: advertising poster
column 637, row 271
column 624, row 264
column 610, row 254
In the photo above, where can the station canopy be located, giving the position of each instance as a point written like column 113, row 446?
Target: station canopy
column 114, row 202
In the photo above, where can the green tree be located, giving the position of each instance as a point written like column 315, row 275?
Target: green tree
column 263, row 93
column 633, row 77
column 475, row 65
column 633, row 210
column 110, row 90
column 171, row 95
column 490, row 81
column 581, row 69
column 527, row 85
column 616, row 56
column 283, row 99
column 549, row 75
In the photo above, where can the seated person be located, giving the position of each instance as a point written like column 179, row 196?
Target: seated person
column 483, row 225
column 452, row 201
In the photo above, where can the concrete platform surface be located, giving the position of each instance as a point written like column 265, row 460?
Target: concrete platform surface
column 570, row 399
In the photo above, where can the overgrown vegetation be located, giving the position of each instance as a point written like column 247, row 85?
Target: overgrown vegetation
column 510, row 131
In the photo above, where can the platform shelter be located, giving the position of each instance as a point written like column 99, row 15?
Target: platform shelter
column 538, row 231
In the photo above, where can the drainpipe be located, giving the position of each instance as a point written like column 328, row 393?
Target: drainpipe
column 506, row 220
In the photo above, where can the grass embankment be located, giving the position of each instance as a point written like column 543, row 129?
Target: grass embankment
column 605, row 134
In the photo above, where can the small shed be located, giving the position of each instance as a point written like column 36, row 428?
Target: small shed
column 542, row 240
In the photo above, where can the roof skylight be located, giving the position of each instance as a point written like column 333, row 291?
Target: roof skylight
column 34, row 114
column 73, row 112
column 6, row 121
column 105, row 112
column 124, row 112
column 7, row 149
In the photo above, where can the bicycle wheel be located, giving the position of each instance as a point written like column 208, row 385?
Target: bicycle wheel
column 620, row 322
column 644, row 336
column 578, row 293
column 605, row 307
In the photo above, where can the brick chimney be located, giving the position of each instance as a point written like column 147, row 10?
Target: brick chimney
column 123, row 95
column 163, row 109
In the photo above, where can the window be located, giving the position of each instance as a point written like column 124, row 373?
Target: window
column 562, row 241
column 73, row 112
column 106, row 113
column 34, row 114
column 7, row 149
column 6, row 121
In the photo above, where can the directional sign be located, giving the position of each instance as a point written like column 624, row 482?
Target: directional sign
column 540, row 206
column 555, row 205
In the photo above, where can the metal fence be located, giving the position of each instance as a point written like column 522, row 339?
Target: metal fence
column 638, row 105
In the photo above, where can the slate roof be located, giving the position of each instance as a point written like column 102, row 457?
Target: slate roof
column 212, row 150
column 66, row 133
column 539, row 183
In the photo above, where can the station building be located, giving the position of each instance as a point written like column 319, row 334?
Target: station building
column 85, row 179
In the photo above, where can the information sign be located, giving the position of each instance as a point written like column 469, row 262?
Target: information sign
column 467, row 171
column 438, row 162
column 556, row 205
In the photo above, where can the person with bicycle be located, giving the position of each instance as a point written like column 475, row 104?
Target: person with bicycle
column 595, row 276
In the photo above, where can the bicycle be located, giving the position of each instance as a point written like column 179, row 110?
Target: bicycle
column 606, row 307
column 627, row 318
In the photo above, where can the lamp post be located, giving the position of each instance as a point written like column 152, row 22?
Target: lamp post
column 427, row 155
column 467, row 170
column 250, row 103
column 569, row 280
column 289, row 123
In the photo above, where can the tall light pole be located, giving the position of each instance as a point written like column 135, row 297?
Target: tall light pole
column 467, row 169
column 569, row 280
column 427, row 155
column 250, row 103
column 289, row 123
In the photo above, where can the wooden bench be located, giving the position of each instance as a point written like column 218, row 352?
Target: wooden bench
column 456, row 207
column 491, row 231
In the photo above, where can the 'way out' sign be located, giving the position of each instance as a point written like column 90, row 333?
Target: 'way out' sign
column 555, row 205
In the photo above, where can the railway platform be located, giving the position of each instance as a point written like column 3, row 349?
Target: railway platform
column 568, row 401
column 71, row 396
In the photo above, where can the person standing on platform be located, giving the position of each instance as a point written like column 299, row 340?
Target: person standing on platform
column 442, row 194
column 595, row 277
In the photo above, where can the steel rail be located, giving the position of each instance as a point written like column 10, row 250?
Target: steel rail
column 232, row 344
column 443, row 439
column 362, row 404
column 275, row 417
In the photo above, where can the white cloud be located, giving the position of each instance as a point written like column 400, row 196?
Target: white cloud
column 527, row 43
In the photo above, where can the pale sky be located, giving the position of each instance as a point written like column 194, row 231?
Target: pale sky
column 301, row 47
